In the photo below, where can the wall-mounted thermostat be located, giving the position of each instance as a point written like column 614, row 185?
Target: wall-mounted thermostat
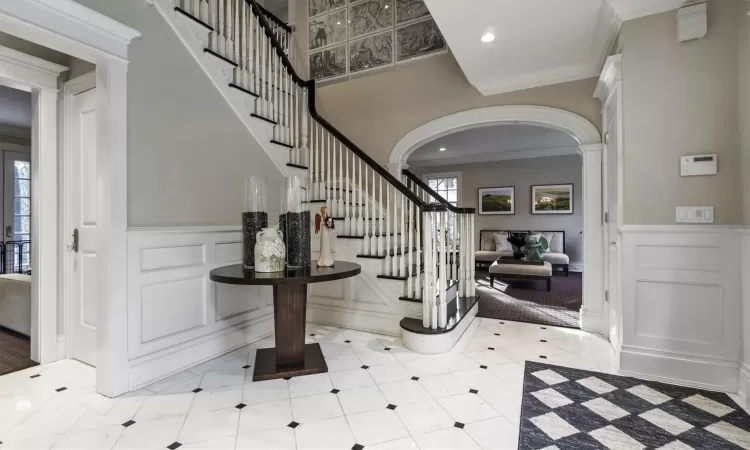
column 698, row 165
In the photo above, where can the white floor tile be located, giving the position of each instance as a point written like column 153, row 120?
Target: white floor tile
column 314, row 408
column 448, row 439
column 151, row 434
column 466, row 408
column 480, row 379
column 34, row 443
column 95, row 439
column 161, row 406
column 613, row 438
column 398, row 444
column 327, row 434
column 444, row 385
column 265, row 416
column 605, row 408
column 374, row 427
column 389, row 373
column 227, row 443
column 488, row 357
column 498, row 433
column 557, row 428
column 168, row 382
column 731, row 433
column 278, row 438
column 708, row 405
column 423, row 417
column 402, row 392
column 209, row 425
column 596, row 385
column 552, row 398
column 550, row 377
column 213, row 399
column 350, row 379
column 212, row 380
column 265, row 391
column 346, row 362
column 309, row 385
column 363, row 399
column 376, row 358
column 41, row 423
column 650, row 395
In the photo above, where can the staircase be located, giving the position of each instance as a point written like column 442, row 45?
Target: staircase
column 406, row 237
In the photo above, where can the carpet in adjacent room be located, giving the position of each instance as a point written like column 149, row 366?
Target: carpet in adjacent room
column 15, row 352
column 578, row 409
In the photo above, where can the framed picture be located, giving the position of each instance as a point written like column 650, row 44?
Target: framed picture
column 418, row 39
column 370, row 16
column 370, row 52
column 408, row 10
column 316, row 7
column 327, row 29
column 328, row 63
column 497, row 200
column 552, row 199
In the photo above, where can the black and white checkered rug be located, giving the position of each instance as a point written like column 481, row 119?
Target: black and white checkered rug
column 567, row 408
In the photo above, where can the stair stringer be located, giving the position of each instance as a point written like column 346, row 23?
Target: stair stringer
column 195, row 37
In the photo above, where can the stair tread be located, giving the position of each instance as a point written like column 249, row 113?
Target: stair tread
column 297, row 166
column 283, row 144
column 258, row 116
column 240, row 88
column 192, row 17
column 223, row 58
column 402, row 277
column 411, row 299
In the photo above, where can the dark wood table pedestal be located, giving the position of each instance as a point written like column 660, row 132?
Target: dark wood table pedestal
column 291, row 356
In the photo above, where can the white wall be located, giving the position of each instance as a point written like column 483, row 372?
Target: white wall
column 188, row 153
column 523, row 173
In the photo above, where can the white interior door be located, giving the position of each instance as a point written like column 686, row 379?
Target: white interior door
column 612, row 120
column 17, row 211
column 82, row 213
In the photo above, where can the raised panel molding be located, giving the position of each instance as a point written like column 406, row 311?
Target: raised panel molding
column 682, row 304
column 177, row 317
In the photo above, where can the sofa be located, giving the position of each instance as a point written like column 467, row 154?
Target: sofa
column 488, row 252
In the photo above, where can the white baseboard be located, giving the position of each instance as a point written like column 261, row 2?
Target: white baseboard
column 744, row 383
column 684, row 370
column 61, row 350
column 439, row 343
column 592, row 322
column 165, row 363
column 354, row 319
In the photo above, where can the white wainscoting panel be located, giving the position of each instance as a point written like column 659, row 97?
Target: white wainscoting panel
column 177, row 317
column 744, row 390
column 681, row 305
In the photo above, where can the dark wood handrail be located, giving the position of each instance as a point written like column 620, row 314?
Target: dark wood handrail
column 276, row 20
column 310, row 85
column 415, row 179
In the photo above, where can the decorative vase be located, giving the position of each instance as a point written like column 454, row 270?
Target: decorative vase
column 269, row 251
column 254, row 218
column 295, row 222
column 326, row 258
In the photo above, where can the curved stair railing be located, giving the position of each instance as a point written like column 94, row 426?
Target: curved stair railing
column 371, row 205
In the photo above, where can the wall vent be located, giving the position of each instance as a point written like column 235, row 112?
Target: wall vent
column 692, row 22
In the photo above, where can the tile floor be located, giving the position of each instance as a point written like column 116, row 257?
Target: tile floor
column 376, row 395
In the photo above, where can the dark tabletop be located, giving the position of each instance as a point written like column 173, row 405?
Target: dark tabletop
column 236, row 274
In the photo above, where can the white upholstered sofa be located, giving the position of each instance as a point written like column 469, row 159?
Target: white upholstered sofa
column 489, row 252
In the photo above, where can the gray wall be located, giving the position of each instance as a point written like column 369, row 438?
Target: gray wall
column 523, row 173
column 744, row 116
column 188, row 153
column 681, row 99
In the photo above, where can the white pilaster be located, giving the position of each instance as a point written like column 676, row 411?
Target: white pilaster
column 593, row 318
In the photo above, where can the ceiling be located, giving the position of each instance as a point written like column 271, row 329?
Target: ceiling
column 494, row 143
column 15, row 108
column 538, row 42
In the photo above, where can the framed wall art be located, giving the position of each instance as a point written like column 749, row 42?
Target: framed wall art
column 552, row 199
column 497, row 200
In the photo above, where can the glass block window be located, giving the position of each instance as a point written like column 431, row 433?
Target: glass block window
column 22, row 212
column 352, row 36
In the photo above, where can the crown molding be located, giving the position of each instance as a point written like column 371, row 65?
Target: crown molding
column 611, row 74
column 14, row 131
column 633, row 9
column 545, row 78
column 34, row 71
column 495, row 156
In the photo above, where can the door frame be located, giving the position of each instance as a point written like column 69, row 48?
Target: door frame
column 71, row 28
column 39, row 77
column 71, row 88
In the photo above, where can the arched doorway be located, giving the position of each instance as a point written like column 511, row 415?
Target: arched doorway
column 593, row 316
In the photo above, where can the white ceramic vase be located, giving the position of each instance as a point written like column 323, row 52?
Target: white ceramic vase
column 326, row 258
column 269, row 251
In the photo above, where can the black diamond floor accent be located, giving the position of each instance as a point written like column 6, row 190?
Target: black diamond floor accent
column 348, row 341
column 312, row 334
column 542, row 356
column 287, row 378
column 391, row 407
column 246, row 366
column 473, row 391
column 388, row 349
column 497, row 334
column 490, row 348
column 357, row 447
column 458, row 425
column 35, row 376
column 365, row 367
column 502, row 323
column 196, row 390
column 482, row 367
column 61, row 389
column 174, row 445
column 542, row 340
column 128, row 423
column 543, row 328
column 240, row 406
column 415, row 378
column 335, row 391
column 293, row 424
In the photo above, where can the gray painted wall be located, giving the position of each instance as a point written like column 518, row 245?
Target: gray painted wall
column 188, row 153
column 681, row 99
column 523, row 173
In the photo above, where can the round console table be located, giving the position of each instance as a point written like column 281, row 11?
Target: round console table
column 290, row 357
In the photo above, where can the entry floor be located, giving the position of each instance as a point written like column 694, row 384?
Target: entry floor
column 376, row 395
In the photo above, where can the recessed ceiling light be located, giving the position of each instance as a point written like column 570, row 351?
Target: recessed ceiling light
column 386, row 6
column 442, row 149
column 487, row 37
column 339, row 23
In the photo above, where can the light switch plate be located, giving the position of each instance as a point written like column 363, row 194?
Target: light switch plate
column 695, row 214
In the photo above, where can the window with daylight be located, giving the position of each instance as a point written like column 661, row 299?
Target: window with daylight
column 446, row 187
column 22, row 212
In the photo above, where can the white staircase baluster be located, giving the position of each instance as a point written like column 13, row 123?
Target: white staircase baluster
column 410, row 261
column 461, row 250
column 442, row 305
column 329, row 180
column 472, row 283
column 229, row 24
column 289, row 116
column 257, row 49
column 388, row 250
column 347, row 196
column 203, row 11
column 372, row 222
column 399, row 255
column 221, row 40
column 341, row 182
column 360, row 201
column 381, row 238
column 417, row 253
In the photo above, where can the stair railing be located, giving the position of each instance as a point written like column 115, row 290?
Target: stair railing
column 374, row 205
column 456, row 229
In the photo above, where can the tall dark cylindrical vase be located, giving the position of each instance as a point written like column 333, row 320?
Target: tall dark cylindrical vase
column 295, row 222
column 254, row 218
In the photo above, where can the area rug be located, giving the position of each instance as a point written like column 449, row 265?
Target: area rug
column 524, row 302
column 15, row 352
column 568, row 408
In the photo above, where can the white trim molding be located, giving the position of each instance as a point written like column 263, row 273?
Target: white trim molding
column 682, row 304
column 573, row 124
column 633, row 9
